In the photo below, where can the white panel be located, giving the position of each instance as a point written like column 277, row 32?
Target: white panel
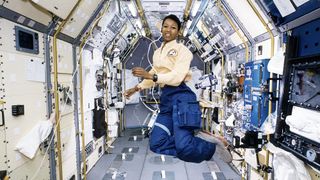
column 89, row 87
column 68, row 146
column 95, row 156
column 8, row 43
column 285, row 7
column 250, row 158
column 59, row 8
column 3, row 146
column 299, row 2
column 30, row 10
column 67, row 135
column 65, row 70
column 31, row 94
column 88, row 118
column 113, row 117
column 15, row 79
column 19, row 90
column 236, row 39
column 65, row 57
column 31, row 167
column 65, row 81
column 254, row 175
column 80, row 17
column 266, row 49
column 247, row 16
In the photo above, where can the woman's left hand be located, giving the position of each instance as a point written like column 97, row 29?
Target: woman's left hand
column 141, row 72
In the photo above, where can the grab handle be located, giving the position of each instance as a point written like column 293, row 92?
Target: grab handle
column 2, row 118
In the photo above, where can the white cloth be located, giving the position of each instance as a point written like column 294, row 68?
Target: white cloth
column 29, row 144
column 305, row 122
column 276, row 63
column 286, row 166
column 131, row 81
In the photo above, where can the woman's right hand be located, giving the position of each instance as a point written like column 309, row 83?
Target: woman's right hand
column 222, row 139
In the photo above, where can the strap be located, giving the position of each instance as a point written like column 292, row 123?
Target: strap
column 163, row 127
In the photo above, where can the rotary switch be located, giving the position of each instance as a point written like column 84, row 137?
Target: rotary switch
column 311, row 155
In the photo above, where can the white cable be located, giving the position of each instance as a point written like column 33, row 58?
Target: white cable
column 157, row 104
column 153, row 86
column 152, row 42
column 146, row 105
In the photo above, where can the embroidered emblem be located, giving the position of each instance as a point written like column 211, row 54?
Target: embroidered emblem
column 172, row 52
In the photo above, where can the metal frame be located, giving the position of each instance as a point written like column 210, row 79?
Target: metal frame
column 263, row 37
column 264, row 10
column 241, row 26
column 76, row 117
column 52, row 160
column 195, row 21
column 300, row 21
column 87, row 25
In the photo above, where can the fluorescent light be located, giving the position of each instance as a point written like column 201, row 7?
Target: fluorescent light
column 189, row 24
column 195, row 8
column 132, row 9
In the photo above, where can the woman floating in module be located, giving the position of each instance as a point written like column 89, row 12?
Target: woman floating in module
column 173, row 132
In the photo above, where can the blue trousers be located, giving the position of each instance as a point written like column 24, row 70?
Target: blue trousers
column 168, row 138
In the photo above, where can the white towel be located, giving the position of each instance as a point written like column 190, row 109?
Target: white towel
column 29, row 144
column 286, row 166
column 305, row 122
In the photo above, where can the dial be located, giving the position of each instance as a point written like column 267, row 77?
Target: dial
column 311, row 155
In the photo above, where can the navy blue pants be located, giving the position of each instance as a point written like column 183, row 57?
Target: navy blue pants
column 168, row 138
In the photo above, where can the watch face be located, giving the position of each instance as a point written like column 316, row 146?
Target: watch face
column 305, row 85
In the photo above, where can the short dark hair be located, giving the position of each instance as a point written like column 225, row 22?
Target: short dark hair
column 174, row 18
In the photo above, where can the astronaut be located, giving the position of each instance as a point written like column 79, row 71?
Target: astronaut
column 180, row 115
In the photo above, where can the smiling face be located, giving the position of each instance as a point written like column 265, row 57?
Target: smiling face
column 169, row 30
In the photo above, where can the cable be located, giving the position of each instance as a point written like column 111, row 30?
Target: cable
column 153, row 86
column 152, row 42
column 146, row 105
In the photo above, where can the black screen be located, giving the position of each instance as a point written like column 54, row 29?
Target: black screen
column 25, row 40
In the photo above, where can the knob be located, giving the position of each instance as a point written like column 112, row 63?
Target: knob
column 311, row 155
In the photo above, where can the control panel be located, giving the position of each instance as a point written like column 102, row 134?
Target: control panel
column 256, row 99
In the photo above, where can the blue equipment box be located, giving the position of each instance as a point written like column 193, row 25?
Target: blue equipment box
column 255, row 94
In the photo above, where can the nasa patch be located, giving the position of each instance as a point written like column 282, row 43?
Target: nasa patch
column 172, row 52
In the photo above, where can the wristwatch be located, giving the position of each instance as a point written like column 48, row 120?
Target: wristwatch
column 155, row 78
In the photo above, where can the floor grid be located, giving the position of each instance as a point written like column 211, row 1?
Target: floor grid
column 131, row 159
